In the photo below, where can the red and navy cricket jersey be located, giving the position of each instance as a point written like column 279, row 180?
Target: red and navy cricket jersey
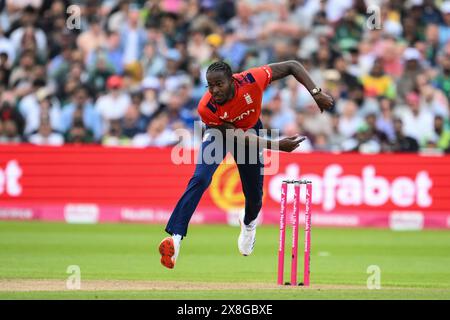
column 244, row 108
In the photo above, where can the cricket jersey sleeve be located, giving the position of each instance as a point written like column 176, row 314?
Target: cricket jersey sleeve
column 208, row 112
column 262, row 75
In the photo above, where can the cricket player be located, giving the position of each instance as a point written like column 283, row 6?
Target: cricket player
column 232, row 102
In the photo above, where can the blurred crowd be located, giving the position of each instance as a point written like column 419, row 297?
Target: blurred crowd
column 130, row 73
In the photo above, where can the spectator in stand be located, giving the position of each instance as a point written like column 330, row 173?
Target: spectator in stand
column 391, row 18
column 321, row 143
column 346, row 79
column 132, row 37
column 407, row 82
column 374, row 132
column 281, row 117
column 92, row 39
column 431, row 13
column 45, row 135
column 266, row 119
column 442, row 81
column 233, row 50
column 444, row 26
column 322, row 61
column 150, row 93
column 118, row 14
column 335, row 139
column 88, row 116
column 432, row 99
column 7, row 47
column 78, row 134
column 316, row 122
column 169, row 28
column 377, row 83
column 10, row 132
column 402, row 142
column 158, row 134
column 184, row 90
column 112, row 53
column 441, row 134
column 113, row 105
column 133, row 122
column 198, row 82
column 389, row 51
column 9, row 111
column 295, row 96
column 173, row 60
column 354, row 67
column 5, row 69
column 152, row 61
column 248, row 25
column 363, row 141
column 417, row 122
column 132, row 77
column 52, row 20
column 348, row 30
column 45, row 105
column 385, row 121
column 28, row 31
column 23, row 73
column 29, row 42
column 349, row 120
column 198, row 48
column 432, row 47
column 175, row 111
column 114, row 137
column 59, row 66
column 100, row 70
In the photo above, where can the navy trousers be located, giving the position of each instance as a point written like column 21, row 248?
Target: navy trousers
column 250, row 172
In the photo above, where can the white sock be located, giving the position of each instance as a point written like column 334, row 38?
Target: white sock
column 177, row 238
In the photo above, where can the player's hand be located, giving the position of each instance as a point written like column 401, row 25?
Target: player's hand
column 324, row 101
column 291, row 143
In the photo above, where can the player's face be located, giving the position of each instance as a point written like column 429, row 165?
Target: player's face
column 220, row 86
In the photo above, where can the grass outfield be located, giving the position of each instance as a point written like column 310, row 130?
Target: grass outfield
column 120, row 261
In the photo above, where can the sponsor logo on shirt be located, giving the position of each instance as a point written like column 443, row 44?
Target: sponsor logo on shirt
column 243, row 115
column 225, row 115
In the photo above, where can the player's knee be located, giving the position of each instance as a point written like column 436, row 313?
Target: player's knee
column 200, row 180
column 254, row 203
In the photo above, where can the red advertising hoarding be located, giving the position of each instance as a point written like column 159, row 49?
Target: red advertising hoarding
column 88, row 184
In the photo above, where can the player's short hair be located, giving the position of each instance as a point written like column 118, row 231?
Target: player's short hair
column 220, row 66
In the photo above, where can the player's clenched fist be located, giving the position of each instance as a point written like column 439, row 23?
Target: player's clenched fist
column 324, row 101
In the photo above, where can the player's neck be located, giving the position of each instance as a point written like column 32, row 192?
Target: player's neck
column 232, row 92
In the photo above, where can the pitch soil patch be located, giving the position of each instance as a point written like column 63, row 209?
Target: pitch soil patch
column 14, row 285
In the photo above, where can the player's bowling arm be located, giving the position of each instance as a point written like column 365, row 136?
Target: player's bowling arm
column 283, row 69
column 291, row 67
column 287, row 144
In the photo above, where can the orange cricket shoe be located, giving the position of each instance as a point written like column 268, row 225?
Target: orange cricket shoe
column 169, row 252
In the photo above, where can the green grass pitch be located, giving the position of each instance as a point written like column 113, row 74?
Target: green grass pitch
column 413, row 264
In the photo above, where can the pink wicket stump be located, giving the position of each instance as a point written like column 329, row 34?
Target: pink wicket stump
column 295, row 220
column 295, row 224
column 307, row 257
column 282, row 233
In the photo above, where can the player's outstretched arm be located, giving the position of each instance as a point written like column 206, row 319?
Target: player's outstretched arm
column 291, row 67
column 287, row 144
